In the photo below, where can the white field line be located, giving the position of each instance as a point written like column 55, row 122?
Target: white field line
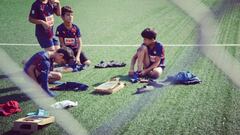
column 126, row 45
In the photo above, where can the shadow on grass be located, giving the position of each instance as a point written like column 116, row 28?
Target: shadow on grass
column 9, row 89
column 17, row 97
column 100, row 94
column 95, row 85
column 3, row 77
column 11, row 132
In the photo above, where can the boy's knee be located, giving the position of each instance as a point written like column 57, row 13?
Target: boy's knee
column 156, row 73
column 56, row 76
column 135, row 56
column 143, row 48
column 88, row 62
column 141, row 51
column 59, row 76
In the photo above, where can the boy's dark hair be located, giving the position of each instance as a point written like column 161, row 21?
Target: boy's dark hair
column 66, row 9
column 149, row 33
column 68, row 54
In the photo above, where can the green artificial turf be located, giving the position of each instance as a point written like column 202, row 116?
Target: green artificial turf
column 208, row 108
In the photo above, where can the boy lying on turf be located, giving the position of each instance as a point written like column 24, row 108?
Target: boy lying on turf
column 39, row 66
column 70, row 36
column 41, row 14
column 150, row 56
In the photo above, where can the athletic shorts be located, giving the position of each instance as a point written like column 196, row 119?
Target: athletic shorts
column 45, row 42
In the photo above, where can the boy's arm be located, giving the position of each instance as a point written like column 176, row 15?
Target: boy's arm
column 44, row 78
column 33, row 17
column 133, row 61
column 61, row 42
column 154, row 65
column 79, row 42
column 57, row 7
column 59, row 34
column 158, row 60
column 38, row 21
column 162, row 62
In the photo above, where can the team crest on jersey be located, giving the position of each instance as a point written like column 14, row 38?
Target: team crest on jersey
column 152, row 58
column 69, row 41
column 155, row 52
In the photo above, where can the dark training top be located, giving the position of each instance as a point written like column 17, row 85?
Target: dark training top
column 43, row 12
column 158, row 50
column 70, row 36
column 43, row 65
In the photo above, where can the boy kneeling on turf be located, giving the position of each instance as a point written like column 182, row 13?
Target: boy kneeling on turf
column 39, row 66
column 70, row 36
column 150, row 56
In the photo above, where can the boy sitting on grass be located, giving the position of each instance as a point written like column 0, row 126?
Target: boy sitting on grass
column 70, row 36
column 150, row 56
column 39, row 66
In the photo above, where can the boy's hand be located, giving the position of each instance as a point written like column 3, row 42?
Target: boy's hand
column 78, row 60
column 45, row 25
column 131, row 73
column 143, row 73
column 54, row 1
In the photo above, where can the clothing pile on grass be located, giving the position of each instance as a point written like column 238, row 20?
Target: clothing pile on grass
column 9, row 108
column 70, row 86
column 110, row 64
column 183, row 77
column 65, row 104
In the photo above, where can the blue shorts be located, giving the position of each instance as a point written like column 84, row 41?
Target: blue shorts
column 46, row 42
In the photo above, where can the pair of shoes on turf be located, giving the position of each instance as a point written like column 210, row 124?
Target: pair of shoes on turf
column 135, row 77
column 78, row 67
column 70, row 86
column 109, row 64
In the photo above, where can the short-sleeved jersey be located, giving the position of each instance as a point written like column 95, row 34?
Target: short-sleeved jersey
column 43, row 12
column 43, row 65
column 158, row 50
column 70, row 36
